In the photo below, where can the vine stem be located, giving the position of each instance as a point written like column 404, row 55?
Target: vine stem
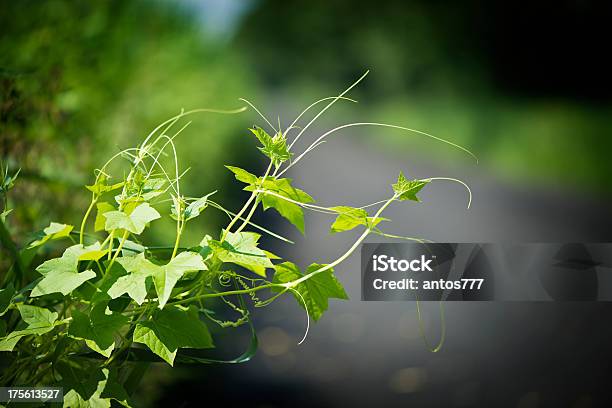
column 246, row 205
column 290, row 285
column 179, row 231
column 86, row 216
column 123, row 238
column 348, row 253
column 438, row 347
column 179, row 226
column 335, row 99
column 376, row 124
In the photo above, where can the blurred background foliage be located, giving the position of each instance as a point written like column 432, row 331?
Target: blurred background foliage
column 523, row 85
column 82, row 80
column 79, row 80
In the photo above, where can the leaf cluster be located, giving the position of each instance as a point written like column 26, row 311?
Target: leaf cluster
column 86, row 319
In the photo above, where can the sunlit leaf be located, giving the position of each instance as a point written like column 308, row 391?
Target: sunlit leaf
column 53, row 231
column 166, row 276
column 274, row 147
column 101, row 187
column 39, row 321
column 291, row 211
column 134, row 282
column 241, row 249
column 195, row 208
column 192, row 210
column 102, row 207
column 61, row 274
column 408, row 189
column 316, row 290
column 152, row 188
column 243, row 175
column 134, row 222
column 351, row 217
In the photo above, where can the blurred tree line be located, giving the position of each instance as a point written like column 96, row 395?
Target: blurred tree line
column 81, row 80
column 524, row 84
column 520, row 84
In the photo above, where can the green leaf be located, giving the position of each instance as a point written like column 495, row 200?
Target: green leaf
column 173, row 328
column 98, row 328
column 7, row 182
column 133, row 247
column 243, row 175
column 80, row 384
column 408, row 189
column 316, row 290
column 290, row 211
column 6, row 296
column 53, row 231
column 166, row 276
column 134, row 283
column 102, row 207
column 205, row 249
column 39, row 321
column 90, row 389
column 152, row 188
column 36, row 316
column 93, row 252
column 241, row 249
column 193, row 209
column 351, row 217
column 275, row 148
column 108, row 280
column 114, row 388
column 5, row 214
column 135, row 222
column 101, row 187
column 61, row 274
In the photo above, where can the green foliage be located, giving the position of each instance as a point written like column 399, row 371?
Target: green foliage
column 102, row 208
column 134, row 222
column 97, row 328
column 6, row 295
column 171, row 329
column 315, row 291
column 195, row 208
column 112, row 300
column 73, row 89
column 62, row 274
column 350, row 217
column 134, row 281
column 407, row 189
column 38, row 320
column 273, row 147
column 279, row 194
column 240, row 248
column 53, row 231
